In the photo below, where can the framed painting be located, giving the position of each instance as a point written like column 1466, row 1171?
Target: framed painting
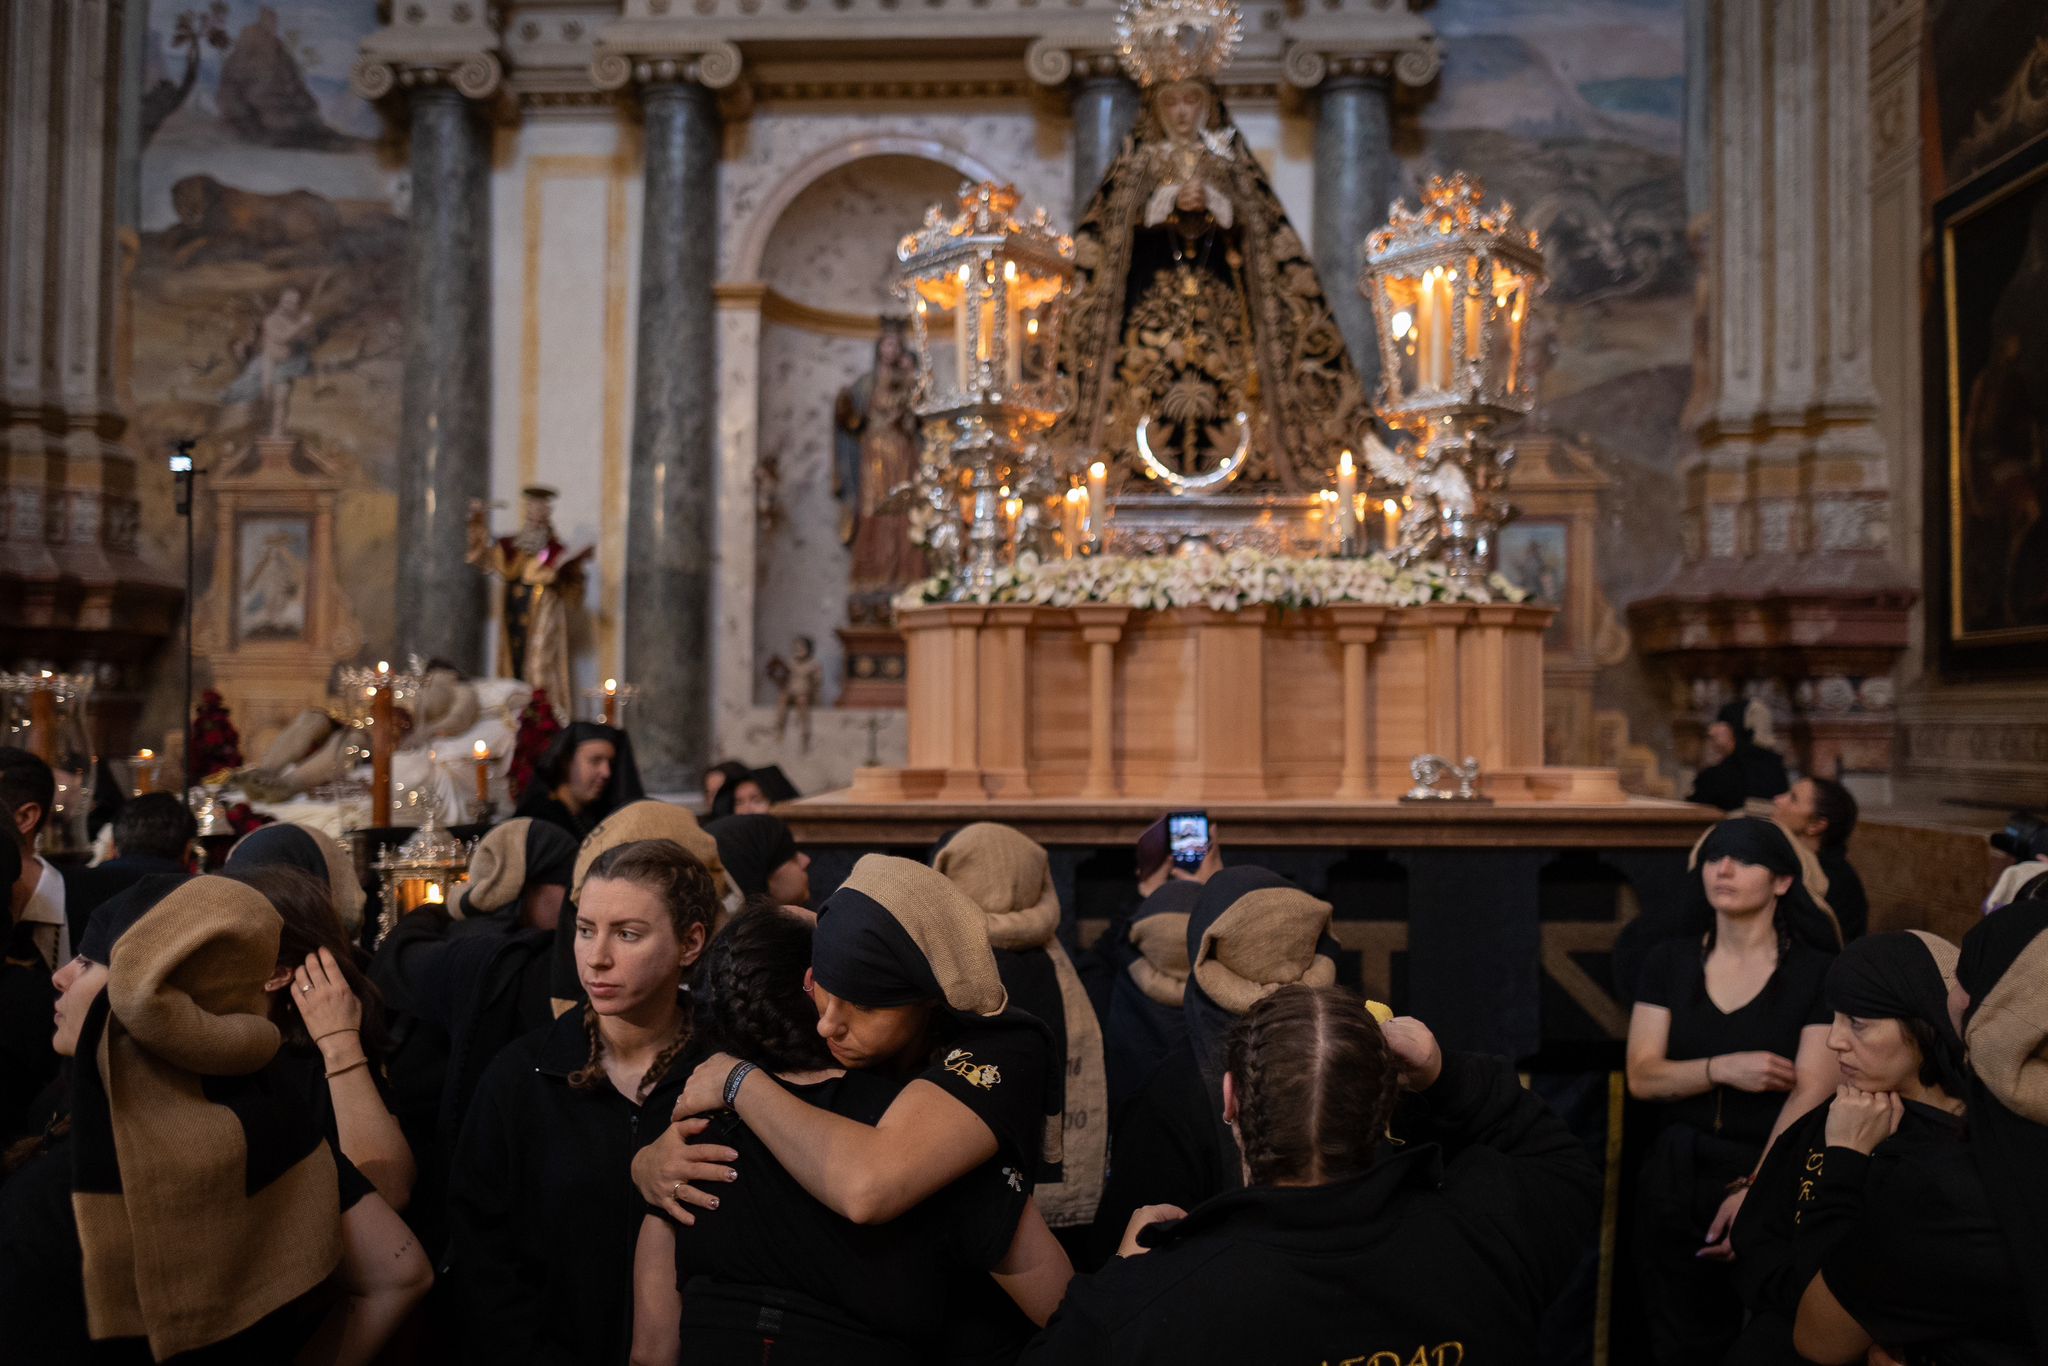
column 1535, row 555
column 1988, row 528
column 273, row 569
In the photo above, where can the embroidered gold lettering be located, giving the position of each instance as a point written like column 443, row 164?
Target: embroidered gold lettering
column 1443, row 1354
column 961, row 1063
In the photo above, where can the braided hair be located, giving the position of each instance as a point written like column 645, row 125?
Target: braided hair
column 750, row 990
column 1315, row 1085
column 685, row 888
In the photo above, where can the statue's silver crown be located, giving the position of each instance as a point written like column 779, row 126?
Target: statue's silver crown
column 1162, row 41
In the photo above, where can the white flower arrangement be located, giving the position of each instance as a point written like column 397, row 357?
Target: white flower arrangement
column 1223, row 582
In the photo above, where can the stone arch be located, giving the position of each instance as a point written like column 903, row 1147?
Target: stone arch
column 754, row 239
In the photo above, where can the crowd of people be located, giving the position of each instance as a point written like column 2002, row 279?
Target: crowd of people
column 631, row 1097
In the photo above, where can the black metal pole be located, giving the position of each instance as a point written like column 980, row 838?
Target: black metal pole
column 186, row 472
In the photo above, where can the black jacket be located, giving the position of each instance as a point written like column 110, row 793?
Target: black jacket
column 542, row 1210
column 1751, row 771
column 86, row 886
column 1462, row 1235
column 1806, row 1198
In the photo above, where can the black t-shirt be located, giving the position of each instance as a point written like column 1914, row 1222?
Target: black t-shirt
column 885, row 1281
column 1927, row 1270
column 996, row 1068
column 1674, row 976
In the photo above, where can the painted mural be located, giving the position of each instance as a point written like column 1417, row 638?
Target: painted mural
column 1990, row 84
column 1575, row 114
column 270, row 263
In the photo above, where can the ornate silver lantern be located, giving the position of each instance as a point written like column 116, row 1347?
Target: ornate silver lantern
column 987, row 292
column 1451, row 285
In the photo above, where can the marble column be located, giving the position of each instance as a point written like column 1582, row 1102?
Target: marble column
column 669, row 527
column 1105, row 106
column 445, row 407
column 1355, row 176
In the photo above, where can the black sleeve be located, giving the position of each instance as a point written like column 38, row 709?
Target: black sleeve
column 1656, row 984
column 1163, row 1152
column 1512, row 1163
column 1773, row 1221
column 353, row 1184
column 497, row 1287
column 1926, row 1262
column 1079, row 1332
column 999, row 1074
column 978, row 1215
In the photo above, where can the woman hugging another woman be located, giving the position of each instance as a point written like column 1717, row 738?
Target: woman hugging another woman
column 772, row 1274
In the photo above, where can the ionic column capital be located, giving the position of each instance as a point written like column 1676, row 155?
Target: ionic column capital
column 431, row 44
column 1397, row 44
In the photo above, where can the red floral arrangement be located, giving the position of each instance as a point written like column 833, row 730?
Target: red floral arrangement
column 213, row 744
column 243, row 818
column 537, row 730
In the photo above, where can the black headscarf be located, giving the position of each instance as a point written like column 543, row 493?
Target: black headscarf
column 281, row 845
column 733, row 770
column 1735, row 715
column 1896, row 976
column 752, row 847
column 2011, row 1150
column 773, row 782
column 864, row 953
column 1763, row 844
column 624, row 785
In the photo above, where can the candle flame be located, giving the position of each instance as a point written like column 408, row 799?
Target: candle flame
column 1098, row 470
column 434, row 894
column 611, row 686
column 1076, row 494
column 147, row 754
column 1346, row 465
column 483, row 751
column 1401, row 322
column 383, row 666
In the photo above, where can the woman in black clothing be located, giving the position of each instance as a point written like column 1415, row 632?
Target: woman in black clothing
column 905, row 983
column 1145, row 1022
column 184, row 1204
column 1730, row 1032
column 755, row 792
column 542, row 1216
column 1442, row 1248
column 1950, row 1260
column 587, row 773
column 761, row 858
column 772, row 1274
column 1902, row 1067
column 1252, row 932
column 311, row 852
column 1743, row 768
column 1009, row 876
column 332, row 1020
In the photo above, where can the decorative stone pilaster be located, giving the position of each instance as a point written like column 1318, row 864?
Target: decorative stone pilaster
column 670, row 527
column 73, row 592
column 1352, row 68
column 1787, row 591
column 441, row 60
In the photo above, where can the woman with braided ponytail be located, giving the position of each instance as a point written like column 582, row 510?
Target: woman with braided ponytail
column 1431, row 1227
column 542, row 1215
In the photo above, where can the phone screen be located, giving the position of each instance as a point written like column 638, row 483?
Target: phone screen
column 1187, row 837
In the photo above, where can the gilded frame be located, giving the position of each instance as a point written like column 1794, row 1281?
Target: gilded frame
column 1974, row 231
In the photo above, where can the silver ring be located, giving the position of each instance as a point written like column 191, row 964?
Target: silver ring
column 305, row 988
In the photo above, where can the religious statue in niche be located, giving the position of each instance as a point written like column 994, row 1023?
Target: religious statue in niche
column 542, row 582
column 1200, row 343
column 874, row 460
column 800, row 682
column 278, row 355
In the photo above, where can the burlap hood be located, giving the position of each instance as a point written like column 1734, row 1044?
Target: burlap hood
column 943, row 922
column 651, row 820
column 310, row 850
column 1265, row 940
column 1159, row 932
column 1008, row 875
column 2008, row 1034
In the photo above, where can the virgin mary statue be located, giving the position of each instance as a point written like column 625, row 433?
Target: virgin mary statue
column 1200, row 344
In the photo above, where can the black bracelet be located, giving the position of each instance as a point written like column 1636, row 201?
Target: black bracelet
column 733, row 1080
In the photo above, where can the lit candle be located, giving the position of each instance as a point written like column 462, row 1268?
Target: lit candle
column 435, row 896
column 1097, row 508
column 483, row 776
column 611, row 701
column 1012, row 509
column 1347, row 502
column 1074, row 514
column 1391, row 510
column 382, row 737
column 145, row 772
column 42, row 721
